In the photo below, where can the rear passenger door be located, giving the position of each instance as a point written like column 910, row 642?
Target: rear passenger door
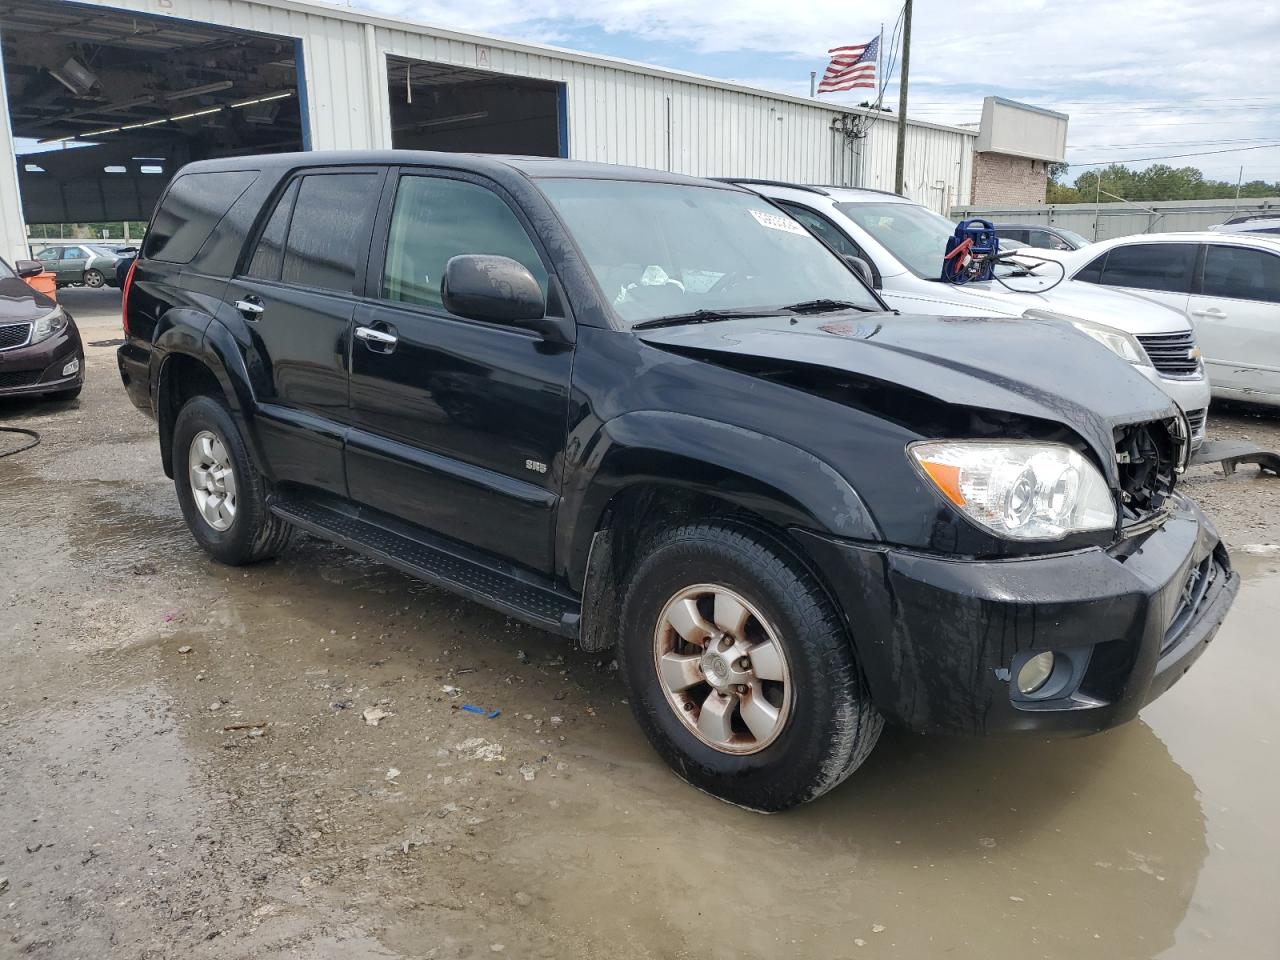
column 1236, row 311
column 1157, row 271
column 458, row 425
column 296, row 295
column 71, row 265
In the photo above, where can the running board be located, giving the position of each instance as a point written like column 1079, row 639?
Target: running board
column 503, row 587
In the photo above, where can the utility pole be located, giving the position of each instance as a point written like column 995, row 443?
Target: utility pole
column 902, row 98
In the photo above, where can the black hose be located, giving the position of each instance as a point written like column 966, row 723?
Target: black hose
column 1062, row 272
column 35, row 439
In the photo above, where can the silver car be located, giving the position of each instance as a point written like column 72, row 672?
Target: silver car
column 81, row 264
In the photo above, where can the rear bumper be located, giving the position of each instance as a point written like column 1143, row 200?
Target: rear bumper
column 39, row 367
column 941, row 641
column 134, row 360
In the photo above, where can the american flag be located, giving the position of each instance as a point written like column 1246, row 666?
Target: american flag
column 851, row 67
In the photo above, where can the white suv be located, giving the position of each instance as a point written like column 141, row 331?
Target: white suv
column 903, row 244
column 1229, row 285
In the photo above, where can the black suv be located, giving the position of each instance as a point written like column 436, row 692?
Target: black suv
column 653, row 414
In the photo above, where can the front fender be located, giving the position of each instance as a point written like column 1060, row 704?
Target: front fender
column 780, row 482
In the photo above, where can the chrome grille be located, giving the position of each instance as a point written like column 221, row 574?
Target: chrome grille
column 14, row 335
column 1172, row 354
column 1196, row 420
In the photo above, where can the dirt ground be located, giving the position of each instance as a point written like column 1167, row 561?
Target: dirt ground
column 187, row 768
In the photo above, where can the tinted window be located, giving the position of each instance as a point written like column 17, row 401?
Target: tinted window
column 269, row 254
column 191, row 209
column 1093, row 272
column 1241, row 274
column 436, row 219
column 330, row 223
column 828, row 231
column 1151, row 266
column 1019, row 236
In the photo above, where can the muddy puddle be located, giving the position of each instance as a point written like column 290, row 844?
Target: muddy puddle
column 188, row 768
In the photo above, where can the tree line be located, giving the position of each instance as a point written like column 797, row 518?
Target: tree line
column 1157, row 182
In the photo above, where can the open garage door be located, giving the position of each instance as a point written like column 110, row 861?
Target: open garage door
column 437, row 106
column 125, row 99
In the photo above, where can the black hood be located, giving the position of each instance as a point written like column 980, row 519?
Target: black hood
column 19, row 302
column 1036, row 368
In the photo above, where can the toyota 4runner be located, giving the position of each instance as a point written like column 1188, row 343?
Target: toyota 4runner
column 655, row 415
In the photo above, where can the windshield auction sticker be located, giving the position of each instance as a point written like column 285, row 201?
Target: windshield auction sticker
column 775, row 221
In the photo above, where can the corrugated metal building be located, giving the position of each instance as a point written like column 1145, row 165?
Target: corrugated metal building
column 350, row 80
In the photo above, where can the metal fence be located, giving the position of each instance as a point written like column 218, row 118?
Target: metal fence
column 1106, row 220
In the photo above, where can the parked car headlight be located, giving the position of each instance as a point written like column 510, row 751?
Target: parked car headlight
column 46, row 326
column 1019, row 490
column 1123, row 345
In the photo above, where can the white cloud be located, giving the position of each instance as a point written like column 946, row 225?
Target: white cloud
column 1146, row 71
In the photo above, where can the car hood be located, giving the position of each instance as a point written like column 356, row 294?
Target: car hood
column 1070, row 298
column 19, row 302
column 1035, row 368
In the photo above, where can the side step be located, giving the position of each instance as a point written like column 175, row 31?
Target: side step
column 503, row 587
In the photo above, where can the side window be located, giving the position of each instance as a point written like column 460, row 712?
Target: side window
column 1151, row 266
column 435, row 219
column 1013, row 236
column 1239, row 273
column 822, row 227
column 193, row 206
column 72, row 253
column 331, row 216
column 48, row 254
column 268, row 256
column 1093, row 272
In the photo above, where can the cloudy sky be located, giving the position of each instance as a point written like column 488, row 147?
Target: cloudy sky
column 1142, row 78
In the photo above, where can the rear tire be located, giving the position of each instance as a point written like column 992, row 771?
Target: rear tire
column 222, row 494
column 783, row 716
column 94, row 278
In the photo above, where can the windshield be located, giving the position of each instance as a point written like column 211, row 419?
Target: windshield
column 6, row 271
column 1073, row 236
column 665, row 249
column 915, row 235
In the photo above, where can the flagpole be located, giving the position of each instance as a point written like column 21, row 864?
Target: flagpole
column 902, row 98
column 880, row 68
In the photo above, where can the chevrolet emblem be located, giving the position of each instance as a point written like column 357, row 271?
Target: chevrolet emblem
column 1193, row 353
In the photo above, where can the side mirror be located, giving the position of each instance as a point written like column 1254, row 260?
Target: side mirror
column 28, row 268
column 497, row 289
column 862, row 267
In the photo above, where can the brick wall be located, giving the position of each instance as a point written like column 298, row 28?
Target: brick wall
column 1001, row 179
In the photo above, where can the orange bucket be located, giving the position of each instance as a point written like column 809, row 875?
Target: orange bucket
column 44, row 283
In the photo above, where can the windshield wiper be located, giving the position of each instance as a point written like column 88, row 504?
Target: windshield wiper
column 829, row 306
column 704, row 316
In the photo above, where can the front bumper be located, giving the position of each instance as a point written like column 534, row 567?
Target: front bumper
column 940, row 640
column 38, row 368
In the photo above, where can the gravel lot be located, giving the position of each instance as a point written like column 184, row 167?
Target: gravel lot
column 189, row 767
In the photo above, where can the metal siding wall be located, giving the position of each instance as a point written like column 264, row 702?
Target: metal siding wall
column 616, row 114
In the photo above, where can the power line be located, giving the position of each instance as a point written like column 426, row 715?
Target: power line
column 1174, row 156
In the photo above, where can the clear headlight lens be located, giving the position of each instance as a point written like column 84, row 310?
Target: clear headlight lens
column 1019, row 491
column 48, row 325
column 1123, row 345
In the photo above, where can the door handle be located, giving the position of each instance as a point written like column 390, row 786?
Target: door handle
column 377, row 340
column 1213, row 312
column 250, row 308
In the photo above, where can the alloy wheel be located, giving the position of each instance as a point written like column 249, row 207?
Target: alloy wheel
column 213, row 481
column 722, row 668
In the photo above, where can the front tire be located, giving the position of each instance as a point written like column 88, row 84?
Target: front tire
column 222, row 494
column 739, row 669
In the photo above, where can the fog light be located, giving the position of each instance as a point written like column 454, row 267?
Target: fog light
column 1035, row 673
column 72, row 367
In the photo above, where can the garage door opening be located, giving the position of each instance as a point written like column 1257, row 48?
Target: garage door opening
column 106, row 105
column 436, row 106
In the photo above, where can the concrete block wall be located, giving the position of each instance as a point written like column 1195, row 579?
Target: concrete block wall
column 999, row 178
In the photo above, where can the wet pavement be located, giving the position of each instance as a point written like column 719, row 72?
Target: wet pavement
column 186, row 768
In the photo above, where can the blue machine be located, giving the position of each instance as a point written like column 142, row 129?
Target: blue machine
column 972, row 252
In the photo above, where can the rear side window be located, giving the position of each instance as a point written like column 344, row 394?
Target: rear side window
column 436, row 219
column 1151, row 266
column 331, row 216
column 1238, row 273
column 1093, row 272
column 269, row 254
column 194, row 205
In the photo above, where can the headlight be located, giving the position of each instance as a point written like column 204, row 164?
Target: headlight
column 1019, row 490
column 48, row 325
column 1122, row 344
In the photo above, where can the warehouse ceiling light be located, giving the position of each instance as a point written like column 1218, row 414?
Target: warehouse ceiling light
column 205, row 113
column 200, row 91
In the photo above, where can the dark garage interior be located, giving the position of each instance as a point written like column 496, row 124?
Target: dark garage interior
column 437, row 106
column 130, row 98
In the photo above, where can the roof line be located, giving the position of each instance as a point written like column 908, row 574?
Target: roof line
column 318, row 8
